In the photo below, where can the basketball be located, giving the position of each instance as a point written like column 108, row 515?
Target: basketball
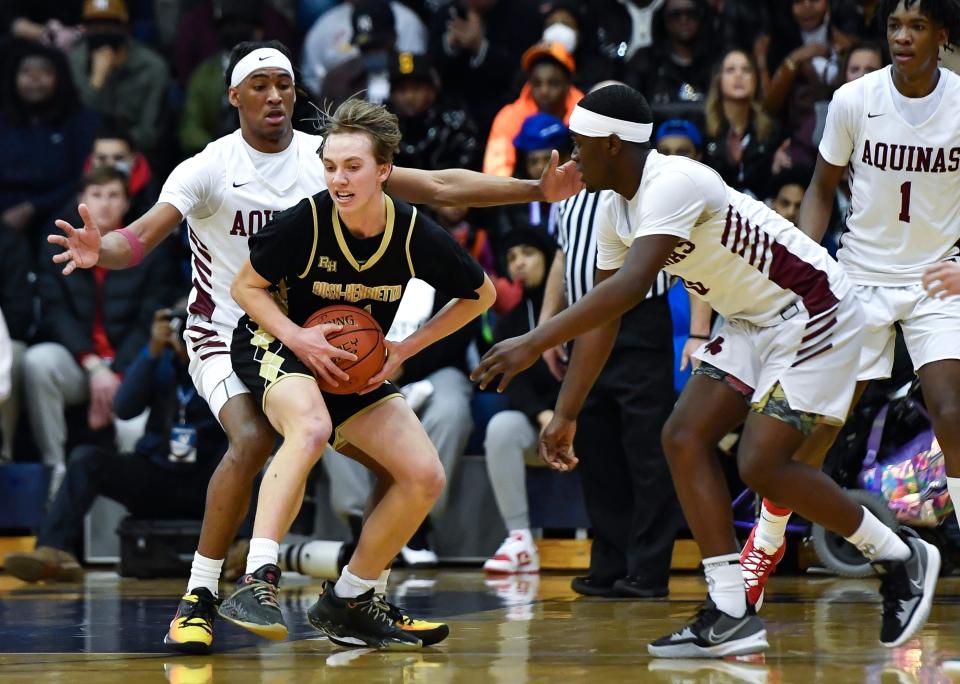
column 361, row 335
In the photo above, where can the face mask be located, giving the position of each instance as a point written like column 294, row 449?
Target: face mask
column 563, row 34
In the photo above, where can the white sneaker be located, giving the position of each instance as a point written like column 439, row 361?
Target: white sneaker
column 419, row 558
column 516, row 554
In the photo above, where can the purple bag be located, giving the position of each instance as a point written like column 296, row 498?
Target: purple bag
column 913, row 478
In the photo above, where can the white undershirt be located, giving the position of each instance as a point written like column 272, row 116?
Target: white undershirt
column 278, row 168
column 916, row 110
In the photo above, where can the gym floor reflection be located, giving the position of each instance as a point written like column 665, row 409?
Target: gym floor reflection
column 510, row 631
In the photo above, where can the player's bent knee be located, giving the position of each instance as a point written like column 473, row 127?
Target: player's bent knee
column 758, row 475
column 424, row 481
column 250, row 445
column 679, row 442
column 310, row 435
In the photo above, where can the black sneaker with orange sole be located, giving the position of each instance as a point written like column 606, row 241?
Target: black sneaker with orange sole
column 362, row 621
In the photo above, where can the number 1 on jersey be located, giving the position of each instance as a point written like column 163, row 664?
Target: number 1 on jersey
column 905, row 202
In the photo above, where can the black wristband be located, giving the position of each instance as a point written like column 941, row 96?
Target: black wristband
column 699, row 337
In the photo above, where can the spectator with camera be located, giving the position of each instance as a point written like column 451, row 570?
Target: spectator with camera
column 166, row 475
column 94, row 325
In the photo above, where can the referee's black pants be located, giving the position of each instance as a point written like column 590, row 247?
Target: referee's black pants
column 626, row 482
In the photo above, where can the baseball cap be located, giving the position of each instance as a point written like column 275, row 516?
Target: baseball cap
column 105, row 10
column 373, row 23
column 679, row 127
column 410, row 65
column 541, row 132
column 552, row 51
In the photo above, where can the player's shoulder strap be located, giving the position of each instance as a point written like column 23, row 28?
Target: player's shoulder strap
column 316, row 236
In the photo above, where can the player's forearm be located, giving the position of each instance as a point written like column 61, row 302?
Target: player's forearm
column 554, row 300
column 456, row 314
column 117, row 251
column 701, row 315
column 460, row 188
column 262, row 308
column 590, row 353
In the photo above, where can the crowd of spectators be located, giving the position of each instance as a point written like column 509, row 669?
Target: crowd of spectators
column 101, row 98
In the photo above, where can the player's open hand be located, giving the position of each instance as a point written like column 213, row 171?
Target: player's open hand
column 556, row 444
column 81, row 246
column 506, row 358
column 942, row 280
column 395, row 360
column 320, row 356
column 559, row 182
column 690, row 347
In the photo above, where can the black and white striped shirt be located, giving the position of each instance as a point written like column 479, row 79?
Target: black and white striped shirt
column 577, row 237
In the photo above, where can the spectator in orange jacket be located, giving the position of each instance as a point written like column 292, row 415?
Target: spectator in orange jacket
column 549, row 88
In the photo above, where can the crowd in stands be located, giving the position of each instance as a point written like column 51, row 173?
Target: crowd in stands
column 102, row 98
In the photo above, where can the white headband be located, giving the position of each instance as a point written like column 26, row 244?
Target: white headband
column 260, row 58
column 594, row 125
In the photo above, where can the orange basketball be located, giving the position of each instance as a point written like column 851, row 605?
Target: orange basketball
column 360, row 335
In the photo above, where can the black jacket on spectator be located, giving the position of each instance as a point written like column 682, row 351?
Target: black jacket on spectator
column 129, row 299
column 674, row 91
column 511, row 26
column 16, row 284
column 153, row 383
column 535, row 390
column 753, row 171
column 443, row 137
column 449, row 352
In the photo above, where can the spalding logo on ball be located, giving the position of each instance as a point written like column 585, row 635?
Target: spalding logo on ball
column 361, row 335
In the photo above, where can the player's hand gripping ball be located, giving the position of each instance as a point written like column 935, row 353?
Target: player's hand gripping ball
column 361, row 335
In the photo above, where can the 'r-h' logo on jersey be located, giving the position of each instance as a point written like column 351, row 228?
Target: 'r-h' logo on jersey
column 327, row 264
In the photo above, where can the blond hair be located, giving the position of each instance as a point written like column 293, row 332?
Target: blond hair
column 359, row 116
column 716, row 120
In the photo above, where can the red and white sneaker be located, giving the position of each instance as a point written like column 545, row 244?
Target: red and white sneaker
column 757, row 566
column 516, row 554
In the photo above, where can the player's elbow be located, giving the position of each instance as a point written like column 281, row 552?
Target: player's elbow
column 487, row 292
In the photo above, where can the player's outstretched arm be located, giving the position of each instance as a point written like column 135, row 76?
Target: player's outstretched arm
column 456, row 314
column 85, row 247
column 942, row 280
column 463, row 188
column 817, row 204
column 250, row 291
column 606, row 302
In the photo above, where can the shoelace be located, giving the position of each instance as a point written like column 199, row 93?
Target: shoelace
column 376, row 610
column 266, row 594
column 395, row 614
column 200, row 615
column 758, row 564
column 893, row 586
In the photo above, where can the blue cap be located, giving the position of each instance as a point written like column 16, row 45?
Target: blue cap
column 679, row 127
column 542, row 132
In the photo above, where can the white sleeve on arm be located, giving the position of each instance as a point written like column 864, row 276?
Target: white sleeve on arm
column 839, row 133
column 611, row 250
column 195, row 187
column 672, row 204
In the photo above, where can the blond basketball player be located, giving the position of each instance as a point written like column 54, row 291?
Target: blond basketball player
column 897, row 131
column 226, row 194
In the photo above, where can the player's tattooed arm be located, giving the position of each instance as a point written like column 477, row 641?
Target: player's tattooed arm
column 817, row 205
column 461, row 188
column 85, row 247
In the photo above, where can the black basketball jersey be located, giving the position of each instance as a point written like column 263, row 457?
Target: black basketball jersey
column 313, row 260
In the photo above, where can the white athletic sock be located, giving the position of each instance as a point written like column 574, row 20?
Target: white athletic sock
column 771, row 528
column 381, row 586
column 876, row 541
column 262, row 552
column 953, row 486
column 205, row 572
column 725, row 583
column 351, row 586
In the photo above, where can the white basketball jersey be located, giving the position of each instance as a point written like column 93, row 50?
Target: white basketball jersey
column 734, row 252
column 225, row 198
column 904, row 179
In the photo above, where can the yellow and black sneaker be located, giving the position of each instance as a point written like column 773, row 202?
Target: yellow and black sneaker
column 361, row 621
column 429, row 633
column 191, row 630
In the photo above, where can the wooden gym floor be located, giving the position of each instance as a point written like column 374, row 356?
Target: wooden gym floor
column 526, row 629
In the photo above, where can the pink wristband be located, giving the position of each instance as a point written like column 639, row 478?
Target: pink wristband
column 136, row 246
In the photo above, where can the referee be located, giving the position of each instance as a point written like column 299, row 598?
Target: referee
column 626, row 482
